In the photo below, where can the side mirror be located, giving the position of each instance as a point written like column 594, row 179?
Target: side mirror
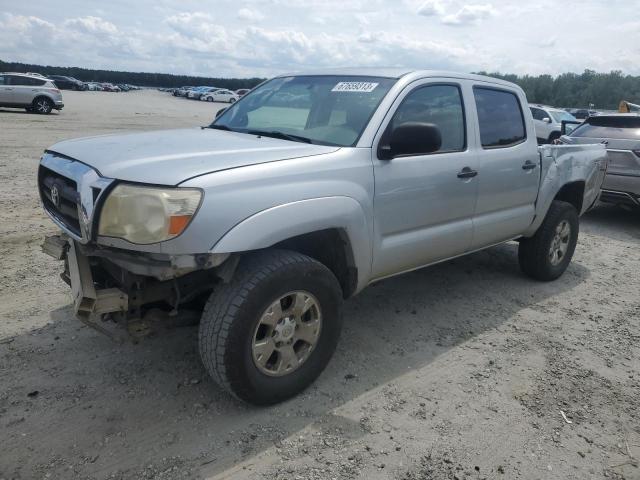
column 546, row 120
column 220, row 112
column 410, row 138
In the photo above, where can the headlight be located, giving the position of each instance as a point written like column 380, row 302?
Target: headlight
column 147, row 214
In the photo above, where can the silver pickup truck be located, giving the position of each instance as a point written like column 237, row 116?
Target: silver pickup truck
column 298, row 196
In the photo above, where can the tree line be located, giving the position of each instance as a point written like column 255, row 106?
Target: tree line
column 580, row 90
column 134, row 78
column 603, row 90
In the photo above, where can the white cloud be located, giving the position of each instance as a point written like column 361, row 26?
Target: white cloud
column 250, row 15
column 274, row 36
column 431, row 8
column 469, row 14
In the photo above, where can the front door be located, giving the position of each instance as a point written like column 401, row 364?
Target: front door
column 424, row 204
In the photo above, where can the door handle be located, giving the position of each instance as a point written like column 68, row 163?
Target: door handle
column 529, row 165
column 467, row 172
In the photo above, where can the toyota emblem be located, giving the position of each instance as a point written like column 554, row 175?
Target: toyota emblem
column 55, row 196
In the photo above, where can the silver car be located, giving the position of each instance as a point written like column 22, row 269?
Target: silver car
column 31, row 92
column 548, row 122
column 621, row 133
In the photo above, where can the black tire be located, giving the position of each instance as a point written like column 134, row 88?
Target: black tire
column 553, row 137
column 232, row 314
column 42, row 105
column 232, row 100
column 534, row 254
column 209, row 99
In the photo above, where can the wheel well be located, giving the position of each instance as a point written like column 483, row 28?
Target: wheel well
column 332, row 248
column 572, row 193
column 40, row 96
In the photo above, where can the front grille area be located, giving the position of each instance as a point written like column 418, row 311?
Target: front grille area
column 65, row 207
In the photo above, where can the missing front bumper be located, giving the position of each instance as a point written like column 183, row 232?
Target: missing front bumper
column 87, row 299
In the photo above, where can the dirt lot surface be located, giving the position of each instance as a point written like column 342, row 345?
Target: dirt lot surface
column 463, row 370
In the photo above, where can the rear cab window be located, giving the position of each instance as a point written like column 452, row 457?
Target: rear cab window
column 500, row 117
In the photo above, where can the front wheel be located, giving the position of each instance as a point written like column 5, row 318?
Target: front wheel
column 547, row 254
column 270, row 332
column 232, row 100
column 209, row 99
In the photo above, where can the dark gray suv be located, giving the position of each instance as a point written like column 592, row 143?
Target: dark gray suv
column 621, row 133
column 31, row 92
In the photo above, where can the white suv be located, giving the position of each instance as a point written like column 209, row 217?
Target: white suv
column 548, row 122
column 31, row 92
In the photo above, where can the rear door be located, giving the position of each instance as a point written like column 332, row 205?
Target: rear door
column 508, row 166
column 25, row 89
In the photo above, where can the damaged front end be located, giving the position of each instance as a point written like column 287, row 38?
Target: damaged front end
column 111, row 284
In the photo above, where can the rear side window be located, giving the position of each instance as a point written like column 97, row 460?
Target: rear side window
column 500, row 118
column 27, row 81
column 622, row 127
column 440, row 105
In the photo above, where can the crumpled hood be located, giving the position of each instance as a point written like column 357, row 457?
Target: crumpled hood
column 169, row 157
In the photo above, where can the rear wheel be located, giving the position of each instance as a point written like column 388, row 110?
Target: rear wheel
column 268, row 334
column 209, row 99
column 42, row 105
column 547, row 254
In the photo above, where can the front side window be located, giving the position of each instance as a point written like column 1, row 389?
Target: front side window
column 322, row 109
column 440, row 105
column 500, row 118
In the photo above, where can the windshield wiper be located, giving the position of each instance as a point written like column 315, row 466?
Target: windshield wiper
column 282, row 135
column 219, row 127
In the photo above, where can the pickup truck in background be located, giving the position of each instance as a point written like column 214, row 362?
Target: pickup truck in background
column 298, row 196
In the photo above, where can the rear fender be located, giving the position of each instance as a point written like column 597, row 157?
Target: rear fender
column 565, row 164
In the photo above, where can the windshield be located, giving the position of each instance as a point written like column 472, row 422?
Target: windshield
column 560, row 115
column 327, row 110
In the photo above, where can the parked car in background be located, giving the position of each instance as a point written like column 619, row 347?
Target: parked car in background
column 182, row 91
column 123, row 87
column 277, row 212
column 68, row 83
column 548, row 122
column 220, row 96
column 621, row 133
column 94, row 86
column 109, row 87
column 241, row 92
column 582, row 113
column 31, row 92
column 196, row 93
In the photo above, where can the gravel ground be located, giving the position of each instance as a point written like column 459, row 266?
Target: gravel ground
column 463, row 370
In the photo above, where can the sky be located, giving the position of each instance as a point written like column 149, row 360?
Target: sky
column 261, row 38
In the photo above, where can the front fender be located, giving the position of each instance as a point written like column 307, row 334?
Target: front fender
column 273, row 225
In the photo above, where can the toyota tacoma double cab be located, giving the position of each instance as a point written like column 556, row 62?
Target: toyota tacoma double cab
column 297, row 197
